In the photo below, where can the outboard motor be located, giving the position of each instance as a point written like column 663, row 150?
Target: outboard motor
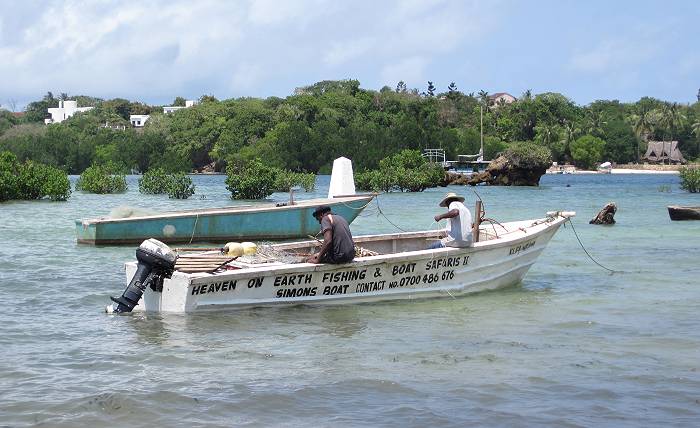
column 156, row 261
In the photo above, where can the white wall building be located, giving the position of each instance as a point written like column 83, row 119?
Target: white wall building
column 138, row 120
column 171, row 109
column 65, row 110
column 502, row 97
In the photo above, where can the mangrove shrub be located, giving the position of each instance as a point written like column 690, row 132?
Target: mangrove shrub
column 406, row 171
column 690, row 179
column 31, row 180
column 157, row 182
column 100, row 179
column 285, row 180
column 154, row 182
column 179, row 186
column 250, row 181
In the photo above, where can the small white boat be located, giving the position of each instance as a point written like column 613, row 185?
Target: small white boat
column 401, row 269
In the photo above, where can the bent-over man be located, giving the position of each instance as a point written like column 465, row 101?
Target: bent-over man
column 338, row 246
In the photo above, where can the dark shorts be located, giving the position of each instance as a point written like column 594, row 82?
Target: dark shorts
column 337, row 258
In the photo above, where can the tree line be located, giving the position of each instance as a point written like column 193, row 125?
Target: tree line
column 318, row 123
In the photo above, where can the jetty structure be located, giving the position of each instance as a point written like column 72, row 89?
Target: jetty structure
column 464, row 164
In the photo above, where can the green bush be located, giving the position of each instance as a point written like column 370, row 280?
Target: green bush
column 154, row 182
column 179, row 186
column 587, row 151
column 690, row 179
column 157, row 182
column 101, row 180
column 31, row 180
column 251, row 181
column 8, row 176
column 528, row 155
column 406, row 171
column 285, row 180
column 56, row 184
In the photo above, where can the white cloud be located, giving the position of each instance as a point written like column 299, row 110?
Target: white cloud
column 614, row 54
column 411, row 70
column 158, row 49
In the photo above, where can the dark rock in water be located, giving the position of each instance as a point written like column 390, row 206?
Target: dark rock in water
column 503, row 171
column 605, row 216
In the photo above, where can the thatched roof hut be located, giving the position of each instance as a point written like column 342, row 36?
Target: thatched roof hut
column 663, row 152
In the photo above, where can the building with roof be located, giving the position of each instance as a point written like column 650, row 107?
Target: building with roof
column 501, row 98
column 172, row 109
column 664, row 152
column 65, row 110
column 138, row 120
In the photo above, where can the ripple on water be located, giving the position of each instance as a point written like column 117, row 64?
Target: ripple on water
column 570, row 346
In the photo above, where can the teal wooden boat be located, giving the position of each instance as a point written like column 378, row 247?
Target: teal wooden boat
column 247, row 223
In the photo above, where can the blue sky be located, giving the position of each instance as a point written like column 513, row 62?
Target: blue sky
column 155, row 50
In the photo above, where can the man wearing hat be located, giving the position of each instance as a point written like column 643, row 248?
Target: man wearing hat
column 338, row 246
column 459, row 222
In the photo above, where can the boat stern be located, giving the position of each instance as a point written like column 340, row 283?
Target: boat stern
column 172, row 298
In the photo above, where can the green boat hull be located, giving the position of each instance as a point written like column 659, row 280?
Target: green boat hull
column 219, row 224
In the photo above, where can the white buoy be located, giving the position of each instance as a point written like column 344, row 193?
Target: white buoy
column 342, row 179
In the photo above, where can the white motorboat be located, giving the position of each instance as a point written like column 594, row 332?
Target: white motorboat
column 399, row 267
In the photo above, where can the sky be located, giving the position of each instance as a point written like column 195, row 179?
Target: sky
column 155, row 50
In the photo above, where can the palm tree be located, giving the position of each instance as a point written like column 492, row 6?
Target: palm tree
column 571, row 131
column 672, row 117
column 484, row 98
column 695, row 129
column 642, row 125
column 594, row 122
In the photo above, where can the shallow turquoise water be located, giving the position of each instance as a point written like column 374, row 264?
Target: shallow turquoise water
column 573, row 345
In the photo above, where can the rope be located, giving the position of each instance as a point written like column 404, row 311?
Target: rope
column 379, row 211
column 194, row 227
column 586, row 251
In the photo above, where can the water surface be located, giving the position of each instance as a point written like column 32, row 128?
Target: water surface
column 573, row 345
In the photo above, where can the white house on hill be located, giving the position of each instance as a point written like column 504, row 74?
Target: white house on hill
column 138, row 120
column 171, row 109
column 65, row 110
column 502, row 97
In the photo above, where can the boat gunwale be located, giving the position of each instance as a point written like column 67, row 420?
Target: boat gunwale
column 282, row 268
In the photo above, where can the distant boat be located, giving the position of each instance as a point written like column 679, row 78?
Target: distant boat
column 243, row 223
column 677, row 212
column 605, row 168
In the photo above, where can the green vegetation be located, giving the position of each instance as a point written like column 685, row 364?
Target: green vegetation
column 179, row 186
column 406, row 171
column 527, row 155
column 251, row 181
column 31, row 180
column 285, row 180
column 157, row 182
column 587, row 151
column 304, row 132
column 690, row 179
column 154, row 182
column 102, row 180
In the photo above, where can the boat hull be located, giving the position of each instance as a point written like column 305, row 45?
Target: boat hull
column 677, row 213
column 218, row 225
column 402, row 275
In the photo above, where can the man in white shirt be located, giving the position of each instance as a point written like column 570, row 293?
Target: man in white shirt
column 459, row 224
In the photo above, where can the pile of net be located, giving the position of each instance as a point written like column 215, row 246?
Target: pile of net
column 267, row 253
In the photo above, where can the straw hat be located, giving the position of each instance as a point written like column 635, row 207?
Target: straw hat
column 450, row 196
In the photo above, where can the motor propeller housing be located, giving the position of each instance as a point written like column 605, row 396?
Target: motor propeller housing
column 156, row 261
